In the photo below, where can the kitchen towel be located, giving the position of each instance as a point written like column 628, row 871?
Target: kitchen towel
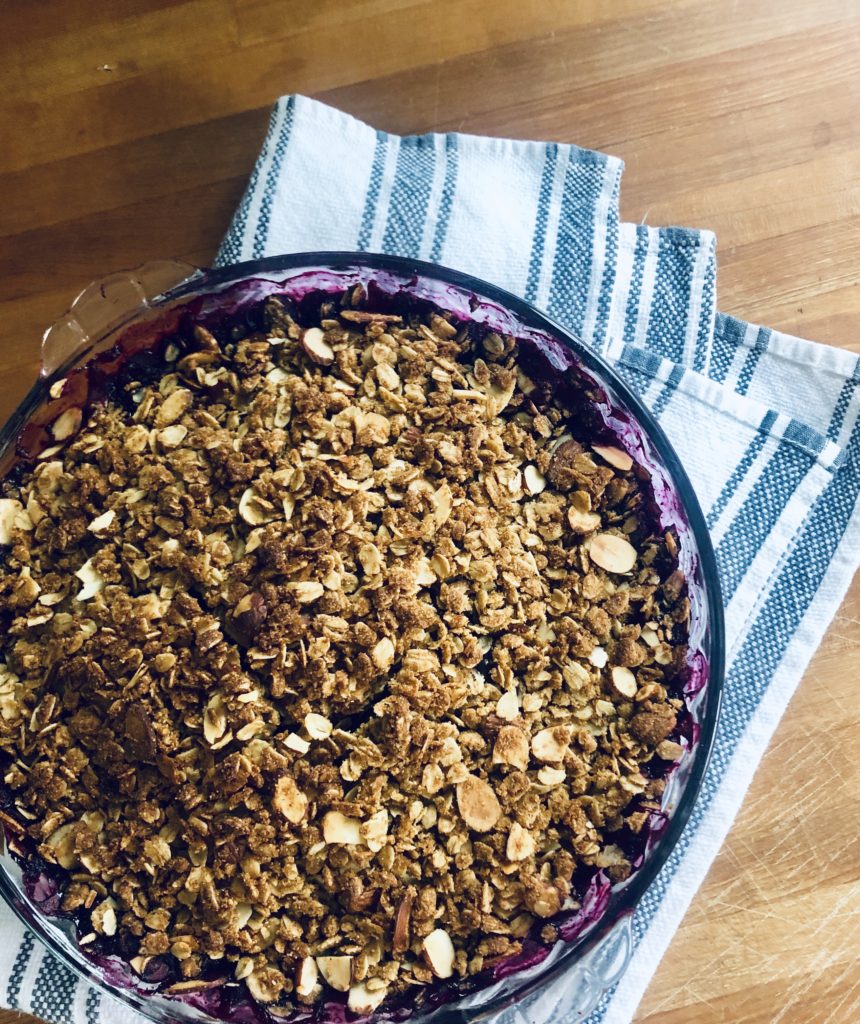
column 767, row 425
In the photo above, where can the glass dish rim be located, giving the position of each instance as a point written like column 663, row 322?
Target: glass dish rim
column 620, row 904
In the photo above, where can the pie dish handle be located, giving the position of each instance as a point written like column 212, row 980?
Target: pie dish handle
column 105, row 305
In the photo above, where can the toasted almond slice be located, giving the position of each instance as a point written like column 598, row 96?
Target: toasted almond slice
column 362, row 1000
column 318, row 726
column 297, row 743
column 616, row 457
column 508, row 706
column 243, row 914
column 104, row 918
column 92, row 582
column 307, row 974
column 521, row 844
column 102, row 522
column 56, row 388
column 535, row 480
column 479, row 807
column 12, row 516
column 438, row 950
column 582, row 522
column 382, row 654
column 174, row 407
column 550, row 745
column 336, row 971
column 289, row 800
column 598, row 657
column 307, row 591
column 316, row 347
column 172, row 436
column 253, row 509
column 339, row 829
column 669, row 750
column 624, row 682
column 67, row 424
column 549, row 776
column 400, row 942
column 612, row 553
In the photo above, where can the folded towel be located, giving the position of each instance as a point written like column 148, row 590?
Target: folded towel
column 768, row 427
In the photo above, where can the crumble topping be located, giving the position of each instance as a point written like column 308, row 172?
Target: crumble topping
column 331, row 657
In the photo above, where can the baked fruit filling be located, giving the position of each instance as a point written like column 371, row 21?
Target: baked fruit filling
column 336, row 655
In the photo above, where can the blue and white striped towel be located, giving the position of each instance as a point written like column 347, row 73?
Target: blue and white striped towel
column 767, row 425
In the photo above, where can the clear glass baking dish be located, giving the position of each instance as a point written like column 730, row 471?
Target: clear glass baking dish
column 126, row 314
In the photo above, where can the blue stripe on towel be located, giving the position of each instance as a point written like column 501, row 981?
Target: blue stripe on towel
column 373, row 187
column 261, row 235
column 410, row 196
column 539, row 236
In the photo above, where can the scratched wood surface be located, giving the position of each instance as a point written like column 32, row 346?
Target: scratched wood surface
column 129, row 129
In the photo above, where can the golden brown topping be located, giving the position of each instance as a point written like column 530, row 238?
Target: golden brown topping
column 332, row 656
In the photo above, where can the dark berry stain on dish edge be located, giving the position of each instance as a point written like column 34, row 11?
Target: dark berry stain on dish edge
column 139, row 356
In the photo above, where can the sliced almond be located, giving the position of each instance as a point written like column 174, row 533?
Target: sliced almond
column 498, row 397
column 375, row 830
column 521, row 844
column 214, row 719
column 12, row 516
column 92, row 582
column 508, row 706
column 624, row 682
column 549, row 776
column 102, row 522
column 479, row 807
column 243, row 915
column 104, row 918
column 669, row 750
column 382, row 654
column 318, row 727
column 254, row 509
column 612, row 553
column 56, row 389
column 551, row 745
column 173, row 407
column 582, row 522
column 67, row 424
column 307, row 591
column 402, row 923
column 289, row 800
column 297, row 743
column 63, row 845
column 339, row 829
column 616, row 457
column 535, row 480
column 363, row 1000
column 336, row 971
column 511, row 747
column 307, row 974
column 442, row 503
column 316, row 347
column 438, row 950
column 598, row 657
column 172, row 436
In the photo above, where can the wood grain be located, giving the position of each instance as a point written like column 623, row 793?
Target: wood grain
column 129, row 129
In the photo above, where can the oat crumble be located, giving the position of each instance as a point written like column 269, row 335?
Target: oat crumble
column 333, row 655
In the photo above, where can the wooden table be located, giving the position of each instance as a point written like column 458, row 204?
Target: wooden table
column 129, row 128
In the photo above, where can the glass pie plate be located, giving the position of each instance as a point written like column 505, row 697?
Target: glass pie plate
column 128, row 315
